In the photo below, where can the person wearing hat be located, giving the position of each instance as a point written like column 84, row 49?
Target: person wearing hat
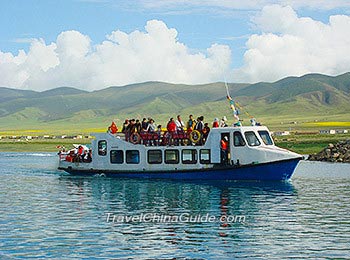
column 223, row 122
column 216, row 122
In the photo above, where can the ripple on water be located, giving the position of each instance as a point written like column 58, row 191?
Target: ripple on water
column 45, row 213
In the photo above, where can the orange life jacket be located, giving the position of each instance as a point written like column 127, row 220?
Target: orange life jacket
column 224, row 145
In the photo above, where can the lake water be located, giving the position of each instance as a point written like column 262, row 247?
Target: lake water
column 45, row 213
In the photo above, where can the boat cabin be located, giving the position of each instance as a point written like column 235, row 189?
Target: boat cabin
column 245, row 145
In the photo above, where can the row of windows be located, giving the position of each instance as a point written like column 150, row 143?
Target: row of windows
column 188, row 156
column 251, row 138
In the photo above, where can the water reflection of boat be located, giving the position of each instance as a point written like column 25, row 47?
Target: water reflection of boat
column 249, row 154
column 132, row 197
column 168, row 191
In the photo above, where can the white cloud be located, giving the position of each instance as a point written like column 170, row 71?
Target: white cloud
column 291, row 45
column 152, row 55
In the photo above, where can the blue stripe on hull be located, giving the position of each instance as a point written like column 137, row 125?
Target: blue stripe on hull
column 275, row 171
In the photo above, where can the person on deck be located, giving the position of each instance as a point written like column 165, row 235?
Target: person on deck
column 216, row 122
column 171, row 127
column 138, row 126
column 113, row 128
column 190, row 124
column 144, row 124
column 206, row 130
column 159, row 133
column 179, row 124
column 131, row 128
column 80, row 153
column 223, row 122
column 151, row 128
column 199, row 126
column 88, row 157
column 125, row 129
column 125, row 125
column 224, row 150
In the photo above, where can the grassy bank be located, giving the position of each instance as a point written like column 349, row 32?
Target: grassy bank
column 303, row 144
column 308, row 144
column 38, row 145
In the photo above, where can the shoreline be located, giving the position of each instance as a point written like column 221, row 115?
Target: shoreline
column 302, row 144
column 51, row 146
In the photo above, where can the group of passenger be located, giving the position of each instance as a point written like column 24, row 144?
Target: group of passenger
column 132, row 126
column 79, row 154
column 177, row 131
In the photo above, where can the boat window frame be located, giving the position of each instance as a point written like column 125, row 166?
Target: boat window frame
column 193, row 155
column 177, row 156
column 242, row 139
column 269, row 141
column 200, row 156
column 131, row 162
column 101, row 151
column 155, row 162
column 122, row 156
column 257, row 141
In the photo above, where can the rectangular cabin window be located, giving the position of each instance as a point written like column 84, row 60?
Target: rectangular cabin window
column 204, row 156
column 252, row 139
column 189, row 156
column 132, row 157
column 116, row 156
column 171, row 156
column 238, row 139
column 102, row 147
column 154, row 156
column 265, row 136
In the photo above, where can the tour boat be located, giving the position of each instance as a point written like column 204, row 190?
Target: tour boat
column 251, row 155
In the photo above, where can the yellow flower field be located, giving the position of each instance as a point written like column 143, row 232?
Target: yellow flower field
column 329, row 124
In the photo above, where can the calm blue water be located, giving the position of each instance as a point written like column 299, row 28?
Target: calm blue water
column 45, row 213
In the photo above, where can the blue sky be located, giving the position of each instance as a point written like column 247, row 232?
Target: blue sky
column 225, row 27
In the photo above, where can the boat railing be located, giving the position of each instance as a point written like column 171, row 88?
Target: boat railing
column 164, row 138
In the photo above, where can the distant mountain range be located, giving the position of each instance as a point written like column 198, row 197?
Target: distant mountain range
column 309, row 94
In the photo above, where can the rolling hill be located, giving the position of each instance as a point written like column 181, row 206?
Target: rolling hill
column 310, row 96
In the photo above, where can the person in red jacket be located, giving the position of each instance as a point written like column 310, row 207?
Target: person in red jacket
column 114, row 128
column 216, row 122
column 171, row 127
column 224, row 150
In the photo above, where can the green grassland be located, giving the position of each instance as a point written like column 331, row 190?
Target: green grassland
column 297, row 104
column 308, row 144
column 303, row 144
column 286, row 118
